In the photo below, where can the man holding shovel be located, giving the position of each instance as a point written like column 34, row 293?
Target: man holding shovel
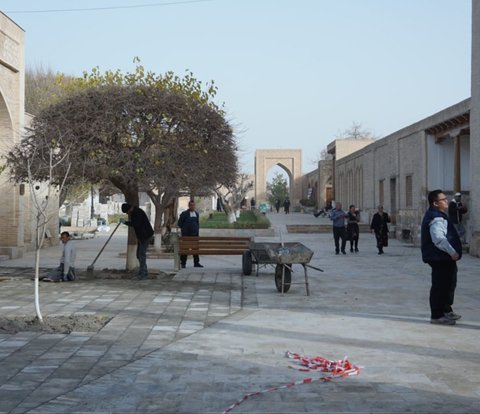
column 144, row 232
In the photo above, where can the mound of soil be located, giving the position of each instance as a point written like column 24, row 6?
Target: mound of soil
column 53, row 324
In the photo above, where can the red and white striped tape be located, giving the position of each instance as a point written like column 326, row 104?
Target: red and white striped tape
column 339, row 368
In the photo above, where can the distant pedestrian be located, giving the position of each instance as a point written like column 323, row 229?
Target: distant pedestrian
column 189, row 226
column 337, row 215
column 286, row 205
column 441, row 249
column 138, row 219
column 219, row 204
column 253, row 204
column 456, row 210
column 277, row 205
column 353, row 218
column 379, row 226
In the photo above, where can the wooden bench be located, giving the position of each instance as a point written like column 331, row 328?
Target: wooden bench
column 209, row 245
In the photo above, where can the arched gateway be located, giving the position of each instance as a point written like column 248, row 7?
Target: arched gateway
column 290, row 160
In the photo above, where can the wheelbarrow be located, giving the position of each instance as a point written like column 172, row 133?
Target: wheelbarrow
column 280, row 255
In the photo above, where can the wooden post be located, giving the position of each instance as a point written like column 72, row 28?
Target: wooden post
column 176, row 249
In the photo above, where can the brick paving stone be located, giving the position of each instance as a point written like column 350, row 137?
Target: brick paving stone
column 201, row 340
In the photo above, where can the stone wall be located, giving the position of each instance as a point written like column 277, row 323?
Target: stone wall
column 475, row 131
column 394, row 172
column 12, row 71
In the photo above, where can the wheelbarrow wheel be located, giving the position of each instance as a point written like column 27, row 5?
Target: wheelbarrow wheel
column 287, row 279
column 247, row 262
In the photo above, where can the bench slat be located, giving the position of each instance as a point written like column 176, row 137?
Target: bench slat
column 211, row 252
column 213, row 238
column 213, row 245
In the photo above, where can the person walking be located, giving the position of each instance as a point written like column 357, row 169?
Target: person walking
column 189, row 226
column 441, row 249
column 337, row 215
column 456, row 210
column 277, row 205
column 379, row 226
column 286, row 206
column 65, row 272
column 353, row 218
column 138, row 219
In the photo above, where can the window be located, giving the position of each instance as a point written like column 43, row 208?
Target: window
column 408, row 191
column 381, row 198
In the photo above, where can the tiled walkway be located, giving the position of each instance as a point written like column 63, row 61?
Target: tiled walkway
column 199, row 341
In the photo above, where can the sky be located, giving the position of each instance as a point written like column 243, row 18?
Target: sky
column 290, row 73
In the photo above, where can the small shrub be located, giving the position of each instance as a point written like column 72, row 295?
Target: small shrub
column 115, row 218
column 308, row 202
column 247, row 220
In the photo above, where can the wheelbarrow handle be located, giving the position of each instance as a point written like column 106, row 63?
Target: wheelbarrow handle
column 313, row 267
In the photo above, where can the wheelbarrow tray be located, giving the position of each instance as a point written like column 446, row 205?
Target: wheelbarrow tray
column 259, row 253
column 276, row 253
column 289, row 253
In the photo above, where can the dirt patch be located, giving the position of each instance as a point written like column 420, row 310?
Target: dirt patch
column 53, row 324
column 122, row 274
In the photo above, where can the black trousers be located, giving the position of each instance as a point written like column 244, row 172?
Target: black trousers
column 183, row 259
column 442, row 292
column 339, row 233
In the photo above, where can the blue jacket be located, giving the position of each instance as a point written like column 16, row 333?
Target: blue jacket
column 189, row 223
column 338, row 217
column 430, row 252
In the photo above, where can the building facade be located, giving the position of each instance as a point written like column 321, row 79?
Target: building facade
column 17, row 210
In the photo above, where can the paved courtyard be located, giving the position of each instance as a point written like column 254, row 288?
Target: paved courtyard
column 199, row 340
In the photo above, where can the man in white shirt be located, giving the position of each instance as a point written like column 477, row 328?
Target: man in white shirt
column 66, row 271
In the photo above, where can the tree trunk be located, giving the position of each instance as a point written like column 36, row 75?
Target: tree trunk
column 131, row 197
column 164, row 205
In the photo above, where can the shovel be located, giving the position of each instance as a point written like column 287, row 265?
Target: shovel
column 90, row 268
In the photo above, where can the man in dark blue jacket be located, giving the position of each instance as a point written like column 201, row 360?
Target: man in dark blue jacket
column 144, row 232
column 189, row 226
column 441, row 249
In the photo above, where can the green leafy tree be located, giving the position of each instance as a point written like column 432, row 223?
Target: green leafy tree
column 277, row 189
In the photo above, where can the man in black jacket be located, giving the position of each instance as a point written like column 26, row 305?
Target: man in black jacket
column 456, row 210
column 189, row 226
column 441, row 249
column 144, row 232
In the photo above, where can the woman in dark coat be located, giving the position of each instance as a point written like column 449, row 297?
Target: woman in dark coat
column 380, row 227
column 353, row 218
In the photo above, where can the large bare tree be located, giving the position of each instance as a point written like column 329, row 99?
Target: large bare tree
column 140, row 136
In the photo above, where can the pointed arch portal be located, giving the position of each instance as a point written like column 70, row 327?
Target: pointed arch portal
column 290, row 160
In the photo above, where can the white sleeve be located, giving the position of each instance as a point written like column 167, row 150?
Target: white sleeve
column 438, row 232
column 69, row 256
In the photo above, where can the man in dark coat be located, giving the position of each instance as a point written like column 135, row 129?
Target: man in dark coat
column 456, row 210
column 189, row 226
column 441, row 249
column 379, row 226
column 144, row 232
